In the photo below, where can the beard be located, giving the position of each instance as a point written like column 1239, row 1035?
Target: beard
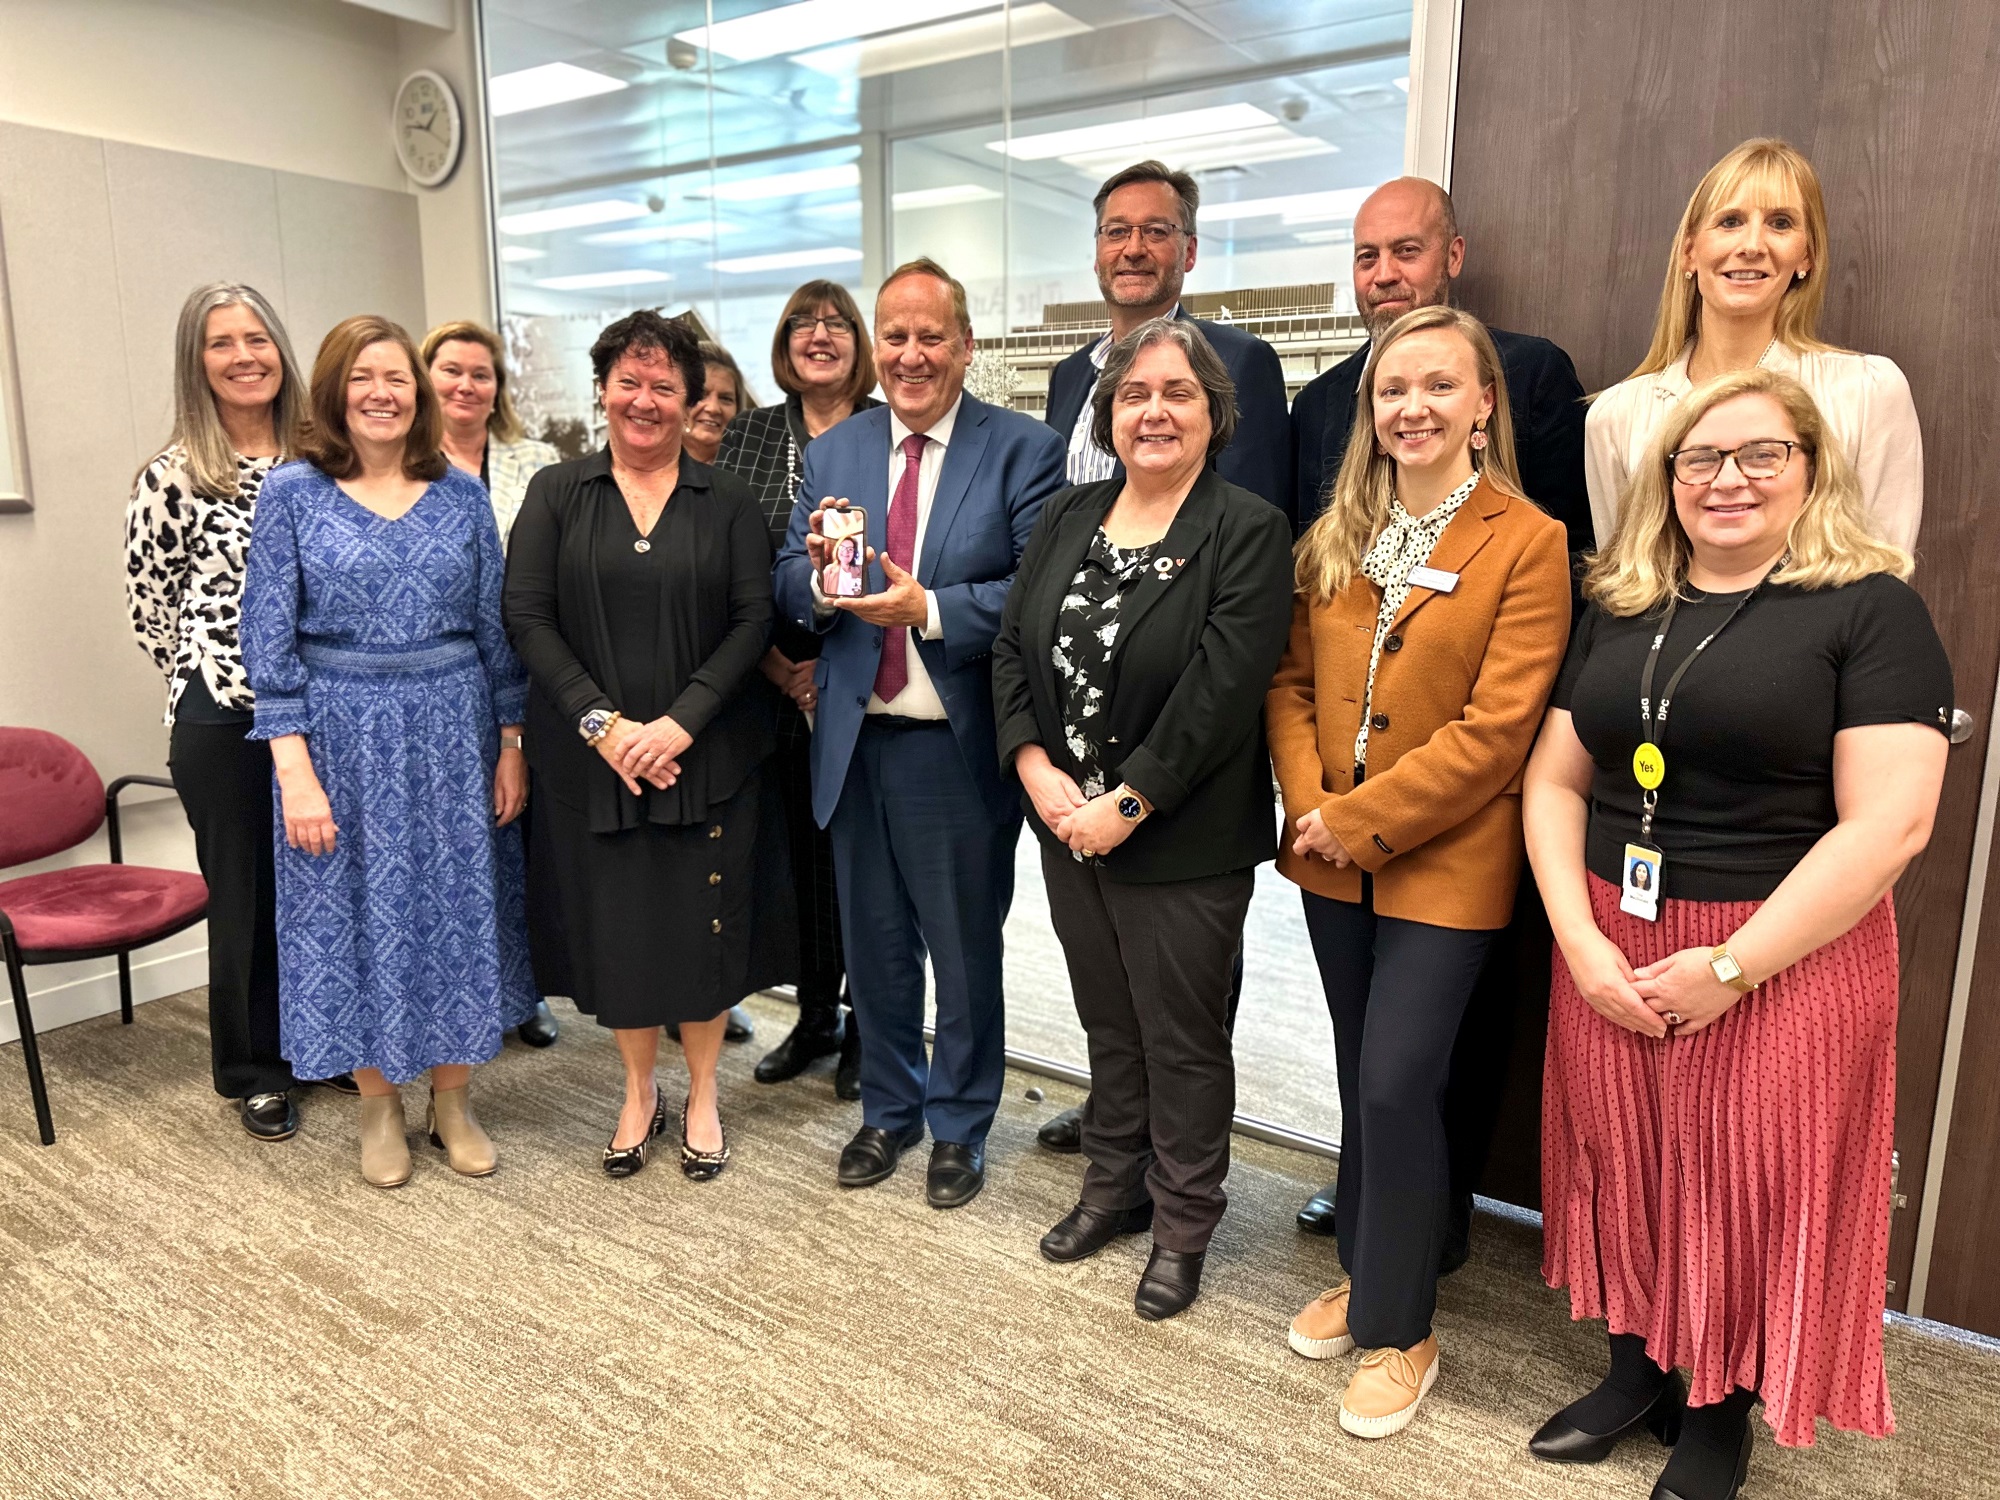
column 1379, row 321
column 1163, row 287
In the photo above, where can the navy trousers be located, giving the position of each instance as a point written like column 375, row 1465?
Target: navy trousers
column 923, row 867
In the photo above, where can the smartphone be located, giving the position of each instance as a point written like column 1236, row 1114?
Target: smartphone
column 846, row 577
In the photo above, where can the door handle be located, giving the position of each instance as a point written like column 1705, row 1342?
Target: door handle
column 1961, row 726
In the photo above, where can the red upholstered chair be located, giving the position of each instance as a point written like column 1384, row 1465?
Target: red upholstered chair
column 50, row 800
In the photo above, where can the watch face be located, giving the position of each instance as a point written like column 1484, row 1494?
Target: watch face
column 594, row 723
column 1129, row 808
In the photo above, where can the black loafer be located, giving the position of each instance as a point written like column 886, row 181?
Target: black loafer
column 1085, row 1230
column 270, row 1117
column 1561, row 1441
column 740, row 1028
column 1317, row 1216
column 1063, row 1132
column 540, row 1029
column 1664, row 1491
column 1171, row 1281
column 802, row 1047
column 956, row 1175
column 872, row 1155
column 342, row 1083
column 847, row 1077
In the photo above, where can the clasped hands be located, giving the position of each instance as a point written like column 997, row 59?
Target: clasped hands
column 1315, row 838
column 901, row 603
column 1678, row 995
column 1087, row 825
column 645, row 752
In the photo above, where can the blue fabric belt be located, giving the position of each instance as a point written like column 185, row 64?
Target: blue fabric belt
column 446, row 651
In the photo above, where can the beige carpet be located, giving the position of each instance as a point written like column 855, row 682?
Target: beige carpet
column 186, row 1313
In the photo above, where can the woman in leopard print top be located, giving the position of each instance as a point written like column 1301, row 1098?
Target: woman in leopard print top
column 238, row 403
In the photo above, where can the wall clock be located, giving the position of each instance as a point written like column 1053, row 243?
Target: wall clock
column 429, row 129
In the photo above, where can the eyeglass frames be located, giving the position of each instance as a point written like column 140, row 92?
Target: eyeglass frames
column 1766, row 458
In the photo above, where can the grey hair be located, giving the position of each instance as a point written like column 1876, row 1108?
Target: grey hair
column 1202, row 359
column 211, row 462
column 1186, row 189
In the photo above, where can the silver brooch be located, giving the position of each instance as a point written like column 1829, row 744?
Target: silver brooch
column 642, row 545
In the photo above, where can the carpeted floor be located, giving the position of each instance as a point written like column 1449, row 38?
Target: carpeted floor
column 186, row 1313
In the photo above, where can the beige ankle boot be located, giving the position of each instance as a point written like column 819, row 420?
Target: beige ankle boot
column 454, row 1128
column 385, row 1149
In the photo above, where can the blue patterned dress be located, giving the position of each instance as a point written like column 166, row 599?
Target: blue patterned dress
column 380, row 641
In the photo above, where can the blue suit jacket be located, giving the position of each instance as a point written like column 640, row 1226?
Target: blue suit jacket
column 1259, row 457
column 997, row 471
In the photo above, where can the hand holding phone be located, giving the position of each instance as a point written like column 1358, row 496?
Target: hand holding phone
column 846, row 529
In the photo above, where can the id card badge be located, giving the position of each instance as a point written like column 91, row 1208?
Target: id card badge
column 1639, row 893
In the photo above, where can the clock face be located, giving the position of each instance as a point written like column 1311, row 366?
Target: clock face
column 429, row 132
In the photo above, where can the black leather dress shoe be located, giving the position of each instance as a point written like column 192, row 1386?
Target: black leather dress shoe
column 342, row 1083
column 1063, row 1132
column 540, row 1029
column 872, row 1155
column 1317, row 1216
column 1561, row 1441
column 803, row 1045
column 1664, row 1491
column 847, row 1077
column 1171, row 1281
column 1085, row 1230
column 740, row 1028
column 270, row 1117
column 956, row 1175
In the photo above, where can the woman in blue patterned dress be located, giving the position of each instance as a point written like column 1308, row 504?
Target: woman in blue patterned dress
column 393, row 704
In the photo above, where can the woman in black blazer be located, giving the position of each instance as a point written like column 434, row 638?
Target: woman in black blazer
column 1144, row 624
column 639, row 598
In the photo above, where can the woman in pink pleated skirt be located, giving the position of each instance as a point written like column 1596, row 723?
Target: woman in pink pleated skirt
column 1742, row 753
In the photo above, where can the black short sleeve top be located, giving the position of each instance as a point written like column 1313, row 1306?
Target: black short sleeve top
column 1749, row 740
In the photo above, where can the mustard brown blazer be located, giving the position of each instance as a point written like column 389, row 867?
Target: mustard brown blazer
column 1459, row 694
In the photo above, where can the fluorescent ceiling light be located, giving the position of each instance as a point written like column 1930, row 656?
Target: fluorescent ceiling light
column 1402, row 83
column 551, row 83
column 815, row 23
column 592, row 280
column 1149, row 131
column 1232, row 148
column 789, row 260
column 1323, row 236
column 573, row 216
column 1293, row 208
column 948, row 41
column 521, row 252
column 943, row 197
column 654, row 234
column 783, row 184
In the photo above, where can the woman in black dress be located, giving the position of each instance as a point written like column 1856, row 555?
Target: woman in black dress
column 821, row 359
column 639, row 596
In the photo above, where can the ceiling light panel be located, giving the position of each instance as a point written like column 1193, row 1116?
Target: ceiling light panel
column 816, row 23
column 783, row 184
column 1125, row 135
column 572, row 216
column 947, row 41
column 591, row 281
column 655, row 234
column 515, row 253
column 942, row 197
column 1266, row 143
column 789, row 260
column 552, row 83
column 1292, row 208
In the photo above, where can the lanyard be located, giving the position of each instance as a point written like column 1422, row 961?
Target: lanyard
column 1649, row 766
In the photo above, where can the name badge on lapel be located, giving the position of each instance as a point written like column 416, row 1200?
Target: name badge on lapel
column 1434, row 579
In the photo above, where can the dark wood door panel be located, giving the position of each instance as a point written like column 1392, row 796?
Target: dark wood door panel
column 1580, row 130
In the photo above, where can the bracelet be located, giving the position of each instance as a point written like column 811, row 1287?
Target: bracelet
column 609, row 724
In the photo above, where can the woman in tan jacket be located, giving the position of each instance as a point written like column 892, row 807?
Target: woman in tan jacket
column 1431, row 616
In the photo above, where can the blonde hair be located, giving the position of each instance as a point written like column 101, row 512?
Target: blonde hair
column 198, row 430
column 1771, row 173
column 1357, row 501
column 1646, row 561
column 503, row 423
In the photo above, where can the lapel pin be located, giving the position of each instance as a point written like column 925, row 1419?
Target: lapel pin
column 1164, row 566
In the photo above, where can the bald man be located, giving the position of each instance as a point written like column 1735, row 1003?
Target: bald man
column 1407, row 254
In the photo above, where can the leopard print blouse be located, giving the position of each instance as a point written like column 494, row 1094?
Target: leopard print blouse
column 184, row 559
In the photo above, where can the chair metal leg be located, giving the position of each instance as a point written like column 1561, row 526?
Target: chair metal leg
column 31, row 1054
column 125, row 988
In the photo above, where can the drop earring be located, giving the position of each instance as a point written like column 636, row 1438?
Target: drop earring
column 1478, row 439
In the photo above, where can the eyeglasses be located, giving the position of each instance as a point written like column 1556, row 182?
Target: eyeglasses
column 836, row 326
column 1764, row 459
column 1154, row 233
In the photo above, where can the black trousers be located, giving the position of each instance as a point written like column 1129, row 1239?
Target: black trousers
column 1151, row 969
column 224, row 781
column 820, row 965
column 1397, row 991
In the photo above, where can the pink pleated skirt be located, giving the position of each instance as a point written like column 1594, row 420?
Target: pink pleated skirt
column 1726, row 1195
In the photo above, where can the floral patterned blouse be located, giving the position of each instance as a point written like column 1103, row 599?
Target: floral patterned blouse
column 1086, row 630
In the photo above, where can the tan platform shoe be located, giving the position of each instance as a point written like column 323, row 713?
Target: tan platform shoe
column 457, row 1131
column 1320, row 1331
column 1383, row 1395
column 385, row 1149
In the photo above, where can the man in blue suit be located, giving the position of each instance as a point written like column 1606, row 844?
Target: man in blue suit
column 906, row 774
column 1146, row 245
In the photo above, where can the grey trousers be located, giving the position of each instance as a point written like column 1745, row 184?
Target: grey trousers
column 1150, row 967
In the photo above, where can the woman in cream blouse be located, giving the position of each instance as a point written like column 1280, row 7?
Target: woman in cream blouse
column 1745, row 282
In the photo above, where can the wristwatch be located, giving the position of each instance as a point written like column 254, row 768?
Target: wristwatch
column 1728, row 970
column 596, row 724
column 1129, row 806
column 513, row 742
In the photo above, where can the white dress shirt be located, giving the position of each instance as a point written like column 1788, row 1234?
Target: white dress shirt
column 1087, row 463
column 919, row 697
column 1863, row 398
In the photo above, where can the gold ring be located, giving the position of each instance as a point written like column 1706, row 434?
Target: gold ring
column 1088, row 853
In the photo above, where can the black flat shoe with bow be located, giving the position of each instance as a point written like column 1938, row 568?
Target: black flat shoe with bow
column 626, row 1161
column 703, row 1166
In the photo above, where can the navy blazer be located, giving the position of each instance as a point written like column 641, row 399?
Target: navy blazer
column 1543, row 395
column 999, row 468
column 1258, row 458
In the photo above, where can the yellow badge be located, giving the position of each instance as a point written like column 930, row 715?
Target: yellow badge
column 1649, row 767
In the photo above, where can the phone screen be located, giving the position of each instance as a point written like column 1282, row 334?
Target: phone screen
column 847, row 575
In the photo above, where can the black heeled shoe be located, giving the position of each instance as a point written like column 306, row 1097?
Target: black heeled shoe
column 1561, row 1441
column 625, row 1161
column 703, row 1166
column 1664, row 1491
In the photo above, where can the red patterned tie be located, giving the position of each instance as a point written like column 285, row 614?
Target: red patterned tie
column 894, row 673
